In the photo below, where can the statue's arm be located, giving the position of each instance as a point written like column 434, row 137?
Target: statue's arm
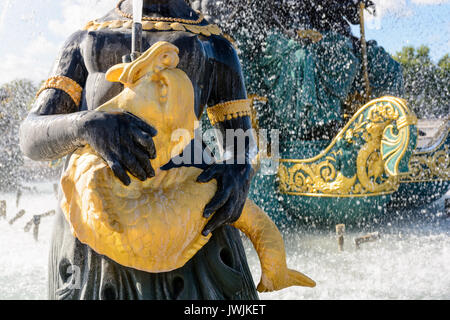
column 49, row 131
column 56, row 127
column 235, row 174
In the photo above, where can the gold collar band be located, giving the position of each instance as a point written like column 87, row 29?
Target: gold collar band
column 207, row 30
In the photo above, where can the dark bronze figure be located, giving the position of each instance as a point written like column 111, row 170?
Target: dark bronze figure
column 63, row 120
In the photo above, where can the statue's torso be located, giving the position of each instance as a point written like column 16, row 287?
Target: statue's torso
column 103, row 49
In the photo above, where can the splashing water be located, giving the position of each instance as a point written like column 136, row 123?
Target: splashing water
column 23, row 261
column 410, row 261
column 3, row 13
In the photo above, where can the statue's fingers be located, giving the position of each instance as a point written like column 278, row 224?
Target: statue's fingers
column 117, row 169
column 144, row 160
column 146, row 141
column 144, row 125
column 209, row 174
column 131, row 163
column 220, row 198
column 221, row 217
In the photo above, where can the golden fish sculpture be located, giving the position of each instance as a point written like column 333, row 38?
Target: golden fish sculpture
column 155, row 226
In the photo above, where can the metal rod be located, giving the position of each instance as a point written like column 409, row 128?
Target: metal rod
column 36, row 222
column 18, row 197
column 136, row 45
column 3, row 209
column 364, row 51
column 447, row 207
column 340, row 231
column 371, row 237
column 136, row 42
column 19, row 215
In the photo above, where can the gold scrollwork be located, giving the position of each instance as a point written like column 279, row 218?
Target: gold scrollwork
column 428, row 168
column 374, row 124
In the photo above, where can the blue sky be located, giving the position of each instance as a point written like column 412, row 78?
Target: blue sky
column 425, row 22
column 32, row 31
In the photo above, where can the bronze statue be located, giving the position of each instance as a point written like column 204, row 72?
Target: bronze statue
column 62, row 120
column 66, row 117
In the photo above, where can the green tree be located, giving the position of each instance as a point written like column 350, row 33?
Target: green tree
column 410, row 57
column 444, row 63
column 426, row 84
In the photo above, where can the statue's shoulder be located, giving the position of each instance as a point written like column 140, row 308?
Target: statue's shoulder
column 224, row 51
column 74, row 42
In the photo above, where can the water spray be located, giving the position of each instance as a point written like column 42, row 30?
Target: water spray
column 56, row 189
column 3, row 14
column 3, row 209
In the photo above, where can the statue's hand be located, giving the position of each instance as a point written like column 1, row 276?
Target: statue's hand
column 233, row 183
column 123, row 140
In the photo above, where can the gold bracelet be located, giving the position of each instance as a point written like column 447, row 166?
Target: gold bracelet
column 69, row 86
column 229, row 110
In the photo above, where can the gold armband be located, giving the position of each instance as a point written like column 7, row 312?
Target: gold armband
column 229, row 110
column 65, row 84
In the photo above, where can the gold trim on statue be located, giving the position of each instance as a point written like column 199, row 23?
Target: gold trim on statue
column 230, row 110
column 206, row 30
column 69, row 86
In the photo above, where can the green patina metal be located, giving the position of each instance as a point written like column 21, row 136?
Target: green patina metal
column 307, row 85
column 352, row 177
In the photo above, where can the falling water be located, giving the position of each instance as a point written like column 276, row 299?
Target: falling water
column 23, row 260
column 410, row 261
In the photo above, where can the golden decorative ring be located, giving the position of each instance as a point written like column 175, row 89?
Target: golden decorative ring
column 69, row 86
column 229, row 110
